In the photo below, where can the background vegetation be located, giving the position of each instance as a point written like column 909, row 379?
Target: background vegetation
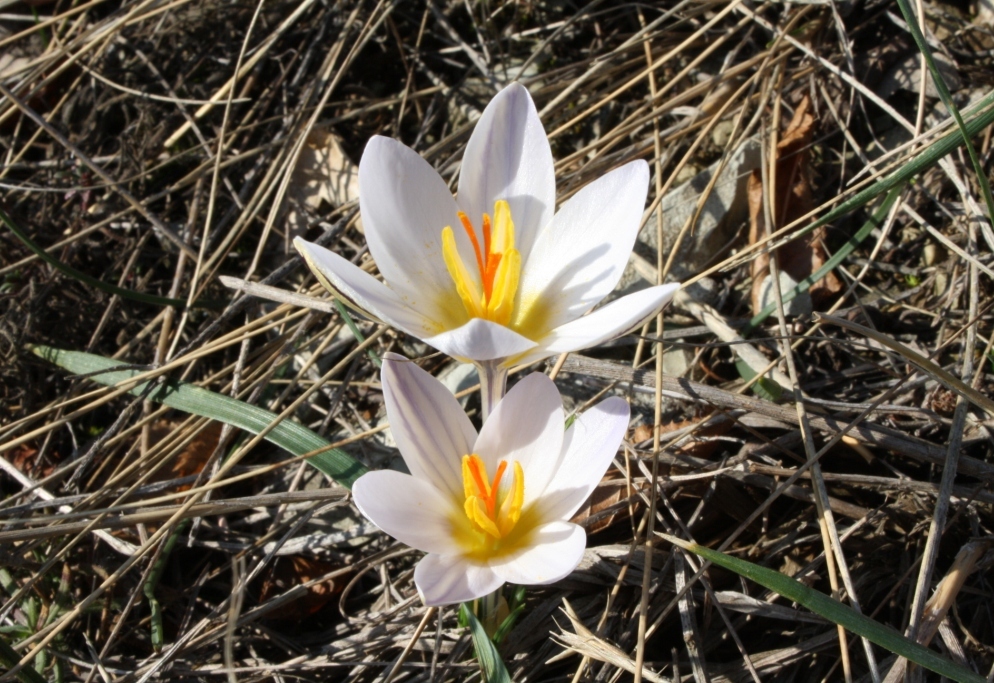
column 151, row 147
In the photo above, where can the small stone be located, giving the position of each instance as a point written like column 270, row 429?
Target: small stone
column 799, row 305
column 906, row 75
column 717, row 225
column 686, row 173
column 704, row 291
column 676, row 361
column 459, row 376
column 722, row 133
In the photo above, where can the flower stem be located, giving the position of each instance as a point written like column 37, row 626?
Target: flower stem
column 493, row 381
column 487, row 611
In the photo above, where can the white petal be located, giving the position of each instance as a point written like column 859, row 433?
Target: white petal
column 363, row 291
column 590, row 444
column 405, row 206
column 430, row 427
column 508, row 157
column 447, row 580
column 580, row 257
column 526, row 426
column 480, row 340
column 555, row 552
column 409, row 509
column 607, row 322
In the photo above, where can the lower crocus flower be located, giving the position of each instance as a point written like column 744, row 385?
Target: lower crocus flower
column 488, row 507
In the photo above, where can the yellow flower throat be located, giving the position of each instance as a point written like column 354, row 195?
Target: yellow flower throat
column 498, row 263
column 487, row 510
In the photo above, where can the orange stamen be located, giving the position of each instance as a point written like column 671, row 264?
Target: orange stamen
column 468, row 227
column 486, row 233
column 492, row 296
column 492, row 498
column 493, row 260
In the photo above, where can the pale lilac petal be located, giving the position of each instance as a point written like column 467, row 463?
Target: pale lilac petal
column 409, row 509
column 508, row 157
column 590, row 444
column 555, row 551
column 526, row 426
column 580, row 257
column 363, row 291
column 450, row 579
column 607, row 322
column 430, row 427
column 405, row 206
column 480, row 340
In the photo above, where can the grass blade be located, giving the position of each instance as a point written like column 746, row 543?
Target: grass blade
column 95, row 282
column 766, row 388
column 947, row 99
column 190, row 398
column 355, row 331
column 9, row 659
column 983, row 116
column 835, row 611
column 876, row 220
column 926, row 159
column 947, row 379
column 491, row 664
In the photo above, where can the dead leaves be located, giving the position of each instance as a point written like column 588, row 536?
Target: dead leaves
column 193, row 457
column 25, row 459
column 607, row 494
column 792, row 198
column 297, row 570
column 323, row 175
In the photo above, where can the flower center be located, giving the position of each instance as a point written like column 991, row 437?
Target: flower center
column 498, row 263
column 489, row 509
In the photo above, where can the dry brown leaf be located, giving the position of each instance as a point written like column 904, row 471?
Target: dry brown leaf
column 608, row 493
column 192, row 459
column 25, row 457
column 11, row 66
column 701, row 446
column 793, row 199
column 944, row 598
column 642, row 433
column 324, row 174
column 293, row 571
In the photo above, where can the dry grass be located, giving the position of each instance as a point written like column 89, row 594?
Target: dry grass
column 874, row 485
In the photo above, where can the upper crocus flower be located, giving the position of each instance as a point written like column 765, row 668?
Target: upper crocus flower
column 494, row 274
column 492, row 507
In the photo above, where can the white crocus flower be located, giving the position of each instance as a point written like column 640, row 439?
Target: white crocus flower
column 494, row 274
column 492, row 507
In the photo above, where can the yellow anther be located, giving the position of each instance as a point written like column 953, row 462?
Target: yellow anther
column 510, row 509
column 465, row 284
column 477, row 512
column 492, row 511
column 501, row 304
column 502, row 239
column 491, row 296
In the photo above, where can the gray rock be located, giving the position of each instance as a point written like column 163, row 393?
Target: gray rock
column 906, row 75
column 799, row 305
column 723, row 214
column 459, row 376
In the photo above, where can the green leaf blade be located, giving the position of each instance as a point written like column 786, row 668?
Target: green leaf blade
column 190, row 398
column 491, row 664
column 875, row 221
column 836, row 612
column 97, row 283
column 764, row 387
